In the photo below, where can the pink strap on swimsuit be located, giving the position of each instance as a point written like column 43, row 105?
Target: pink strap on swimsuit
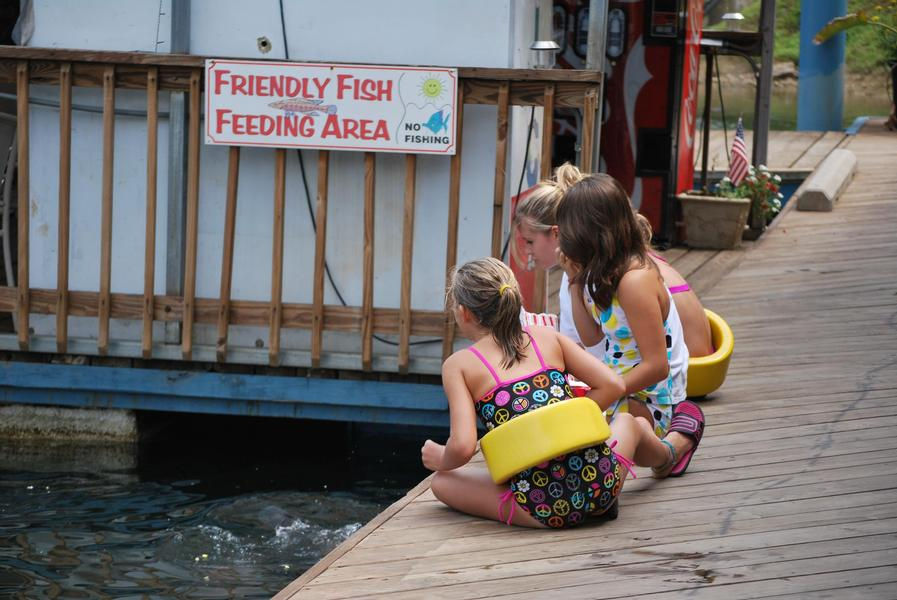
column 626, row 462
column 675, row 289
column 498, row 380
column 504, row 499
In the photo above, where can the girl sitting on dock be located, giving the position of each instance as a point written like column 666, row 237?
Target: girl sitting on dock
column 510, row 371
column 619, row 299
column 536, row 220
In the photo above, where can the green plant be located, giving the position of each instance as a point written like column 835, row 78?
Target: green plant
column 762, row 187
column 882, row 17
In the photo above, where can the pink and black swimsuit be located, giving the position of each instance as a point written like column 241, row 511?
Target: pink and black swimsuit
column 565, row 490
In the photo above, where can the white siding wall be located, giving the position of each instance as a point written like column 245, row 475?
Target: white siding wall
column 493, row 33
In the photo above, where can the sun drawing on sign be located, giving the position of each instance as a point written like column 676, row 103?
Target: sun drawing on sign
column 432, row 88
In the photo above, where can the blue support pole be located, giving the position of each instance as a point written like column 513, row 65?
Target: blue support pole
column 820, row 93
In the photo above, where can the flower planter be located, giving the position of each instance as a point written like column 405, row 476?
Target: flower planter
column 712, row 221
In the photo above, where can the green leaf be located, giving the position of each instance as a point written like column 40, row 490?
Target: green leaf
column 839, row 24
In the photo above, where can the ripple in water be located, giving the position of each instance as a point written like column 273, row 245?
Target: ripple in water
column 110, row 535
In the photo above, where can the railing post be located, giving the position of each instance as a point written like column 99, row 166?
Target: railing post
column 105, row 299
column 177, row 169
column 149, row 258
column 65, row 181
column 23, row 298
column 407, row 254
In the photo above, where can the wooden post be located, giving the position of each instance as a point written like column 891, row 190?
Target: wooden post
column 544, row 173
column 317, row 324
column 280, row 160
column 65, row 183
column 106, row 217
column 407, row 252
column 367, row 296
column 227, row 258
column 547, row 131
column 454, row 198
column 149, row 256
column 501, row 159
column 589, row 106
column 22, row 296
column 192, row 216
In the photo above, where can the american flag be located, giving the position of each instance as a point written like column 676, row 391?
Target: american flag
column 738, row 164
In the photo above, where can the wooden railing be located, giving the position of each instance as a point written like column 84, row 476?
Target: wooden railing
column 154, row 73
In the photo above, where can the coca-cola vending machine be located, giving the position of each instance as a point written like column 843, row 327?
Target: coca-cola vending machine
column 650, row 103
column 650, row 97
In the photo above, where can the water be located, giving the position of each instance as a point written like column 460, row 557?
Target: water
column 236, row 513
column 739, row 101
column 868, row 95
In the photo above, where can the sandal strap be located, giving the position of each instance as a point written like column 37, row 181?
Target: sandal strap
column 673, row 459
column 688, row 419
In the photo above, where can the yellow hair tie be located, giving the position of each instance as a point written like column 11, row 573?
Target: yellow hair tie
column 504, row 286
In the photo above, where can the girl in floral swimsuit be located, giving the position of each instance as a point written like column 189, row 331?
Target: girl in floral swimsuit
column 507, row 372
column 619, row 299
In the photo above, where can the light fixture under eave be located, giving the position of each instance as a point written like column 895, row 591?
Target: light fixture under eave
column 544, row 53
column 733, row 20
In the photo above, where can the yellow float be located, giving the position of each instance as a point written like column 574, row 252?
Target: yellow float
column 542, row 434
column 707, row 373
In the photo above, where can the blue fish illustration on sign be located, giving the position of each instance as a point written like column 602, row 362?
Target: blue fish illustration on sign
column 437, row 122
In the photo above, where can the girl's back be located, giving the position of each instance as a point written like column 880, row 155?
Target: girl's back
column 564, row 490
column 480, row 380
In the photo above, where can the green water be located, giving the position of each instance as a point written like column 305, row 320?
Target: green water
column 738, row 100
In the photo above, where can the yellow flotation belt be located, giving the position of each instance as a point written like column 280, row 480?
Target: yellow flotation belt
column 707, row 373
column 542, row 434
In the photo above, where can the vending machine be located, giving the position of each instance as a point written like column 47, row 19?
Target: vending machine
column 650, row 103
column 650, row 98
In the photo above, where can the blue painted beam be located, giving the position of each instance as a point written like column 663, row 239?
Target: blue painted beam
column 220, row 393
column 820, row 91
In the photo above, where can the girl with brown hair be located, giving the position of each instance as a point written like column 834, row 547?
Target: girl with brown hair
column 619, row 299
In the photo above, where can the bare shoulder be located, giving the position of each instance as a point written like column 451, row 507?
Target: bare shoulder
column 543, row 333
column 639, row 280
column 549, row 343
column 456, row 362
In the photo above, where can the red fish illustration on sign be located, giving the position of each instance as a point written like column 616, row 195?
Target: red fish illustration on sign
column 291, row 106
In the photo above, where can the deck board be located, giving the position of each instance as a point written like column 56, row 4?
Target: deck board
column 793, row 492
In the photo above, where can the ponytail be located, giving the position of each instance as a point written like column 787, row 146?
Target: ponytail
column 540, row 206
column 488, row 289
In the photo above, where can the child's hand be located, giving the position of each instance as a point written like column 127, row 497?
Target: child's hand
column 572, row 269
column 431, row 455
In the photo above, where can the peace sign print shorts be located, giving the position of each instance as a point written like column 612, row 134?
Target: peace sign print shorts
column 565, row 490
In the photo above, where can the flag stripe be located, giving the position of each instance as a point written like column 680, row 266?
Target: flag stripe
column 738, row 165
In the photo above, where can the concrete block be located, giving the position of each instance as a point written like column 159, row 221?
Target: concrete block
column 828, row 181
column 19, row 421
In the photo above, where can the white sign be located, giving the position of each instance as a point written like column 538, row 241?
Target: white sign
column 333, row 107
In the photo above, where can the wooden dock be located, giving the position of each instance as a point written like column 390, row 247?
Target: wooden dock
column 793, row 492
